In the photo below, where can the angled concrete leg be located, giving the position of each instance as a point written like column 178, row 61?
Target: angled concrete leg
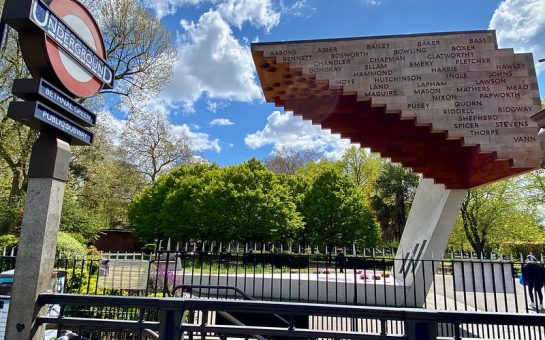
column 430, row 223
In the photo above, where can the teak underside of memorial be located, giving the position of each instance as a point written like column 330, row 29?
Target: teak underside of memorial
column 488, row 138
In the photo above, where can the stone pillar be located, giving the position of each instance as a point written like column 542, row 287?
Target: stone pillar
column 36, row 254
column 430, row 223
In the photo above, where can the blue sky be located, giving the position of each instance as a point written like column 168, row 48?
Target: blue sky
column 216, row 100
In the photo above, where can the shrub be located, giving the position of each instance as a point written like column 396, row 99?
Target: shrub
column 149, row 248
column 522, row 247
column 67, row 244
column 8, row 241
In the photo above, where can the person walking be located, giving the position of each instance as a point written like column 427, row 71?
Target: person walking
column 341, row 261
column 533, row 275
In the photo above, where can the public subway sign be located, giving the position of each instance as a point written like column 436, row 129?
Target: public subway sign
column 70, row 42
column 62, row 43
column 39, row 116
column 31, row 89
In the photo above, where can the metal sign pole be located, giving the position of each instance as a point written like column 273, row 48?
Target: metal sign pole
column 48, row 174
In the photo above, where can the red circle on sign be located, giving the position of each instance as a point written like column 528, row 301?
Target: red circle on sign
column 64, row 8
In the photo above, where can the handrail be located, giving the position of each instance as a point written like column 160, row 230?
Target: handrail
column 227, row 287
column 420, row 324
column 291, row 308
column 237, row 322
column 236, row 289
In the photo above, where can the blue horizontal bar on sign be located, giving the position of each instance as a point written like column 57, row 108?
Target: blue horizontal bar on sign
column 40, row 117
column 40, row 89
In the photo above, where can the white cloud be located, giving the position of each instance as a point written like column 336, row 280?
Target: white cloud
column 112, row 128
column 200, row 141
column 163, row 8
column 292, row 132
column 299, row 8
column 111, row 125
column 521, row 24
column 259, row 13
column 211, row 62
column 214, row 106
column 221, row 122
column 373, row 2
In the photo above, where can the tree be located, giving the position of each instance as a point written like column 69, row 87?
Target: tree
column 15, row 140
column 363, row 167
column 151, row 143
column 534, row 185
column 395, row 189
column 288, row 161
column 148, row 216
column 138, row 47
column 494, row 214
column 245, row 202
column 334, row 212
column 75, row 219
column 141, row 52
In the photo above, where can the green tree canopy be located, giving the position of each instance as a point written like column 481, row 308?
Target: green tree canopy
column 335, row 213
column 395, row 187
column 494, row 214
column 145, row 211
column 363, row 167
column 243, row 202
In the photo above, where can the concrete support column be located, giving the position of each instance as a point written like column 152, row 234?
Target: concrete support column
column 36, row 253
column 429, row 226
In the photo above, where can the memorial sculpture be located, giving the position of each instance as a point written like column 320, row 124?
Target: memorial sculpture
column 451, row 106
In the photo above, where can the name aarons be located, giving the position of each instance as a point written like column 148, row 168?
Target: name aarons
column 69, row 41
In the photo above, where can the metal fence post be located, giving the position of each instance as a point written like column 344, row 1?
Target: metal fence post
column 421, row 329
column 170, row 324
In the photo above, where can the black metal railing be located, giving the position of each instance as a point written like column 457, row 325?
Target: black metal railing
column 453, row 283
column 306, row 321
column 458, row 282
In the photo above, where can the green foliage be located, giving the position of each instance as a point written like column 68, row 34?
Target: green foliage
column 8, row 241
column 10, row 216
column 68, row 244
column 524, row 248
column 335, row 214
column 103, row 184
column 75, row 219
column 76, row 280
column 363, row 167
column 143, row 53
column 145, row 211
column 149, row 248
column 243, row 202
column 494, row 214
column 395, row 190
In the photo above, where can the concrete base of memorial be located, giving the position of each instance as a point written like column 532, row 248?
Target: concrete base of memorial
column 319, row 288
column 468, row 281
column 425, row 237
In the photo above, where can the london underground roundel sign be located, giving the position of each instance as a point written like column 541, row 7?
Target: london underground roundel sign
column 73, row 47
column 71, row 73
